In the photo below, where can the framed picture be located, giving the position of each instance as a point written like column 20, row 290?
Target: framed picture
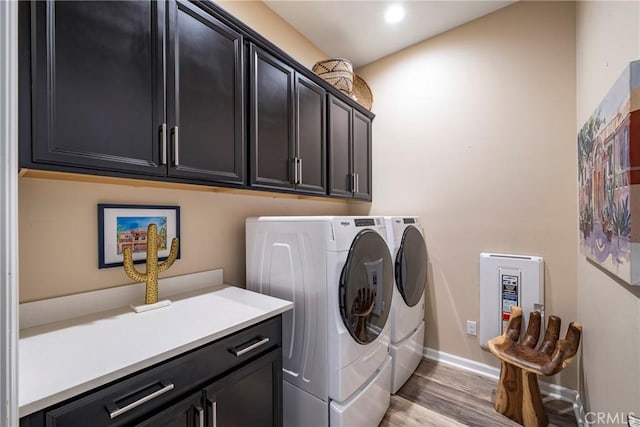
column 120, row 226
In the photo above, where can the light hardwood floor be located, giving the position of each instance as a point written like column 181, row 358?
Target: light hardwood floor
column 439, row 395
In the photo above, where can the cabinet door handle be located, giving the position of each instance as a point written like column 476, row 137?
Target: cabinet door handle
column 176, row 148
column 240, row 351
column 300, row 172
column 214, row 414
column 294, row 165
column 353, row 182
column 200, row 416
column 115, row 411
column 357, row 183
column 163, row 140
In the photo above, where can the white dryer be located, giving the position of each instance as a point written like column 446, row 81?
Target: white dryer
column 339, row 274
column 405, row 237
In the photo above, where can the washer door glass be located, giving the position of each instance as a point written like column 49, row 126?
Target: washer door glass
column 411, row 266
column 366, row 287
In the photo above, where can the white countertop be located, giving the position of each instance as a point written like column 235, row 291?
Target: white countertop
column 63, row 359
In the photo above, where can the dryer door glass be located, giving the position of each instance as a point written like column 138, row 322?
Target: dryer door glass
column 411, row 266
column 366, row 287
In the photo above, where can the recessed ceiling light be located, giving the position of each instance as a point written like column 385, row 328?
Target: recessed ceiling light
column 394, row 14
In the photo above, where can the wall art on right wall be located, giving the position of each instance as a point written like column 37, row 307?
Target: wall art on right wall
column 609, row 179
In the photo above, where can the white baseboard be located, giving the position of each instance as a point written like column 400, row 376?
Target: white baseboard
column 552, row 390
column 462, row 363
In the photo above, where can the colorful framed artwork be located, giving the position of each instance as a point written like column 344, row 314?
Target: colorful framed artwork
column 609, row 179
column 120, row 226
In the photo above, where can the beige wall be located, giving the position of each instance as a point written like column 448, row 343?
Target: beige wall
column 474, row 132
column 59, row 243
column 608, row 38
column 259, row 17
column 58, row 219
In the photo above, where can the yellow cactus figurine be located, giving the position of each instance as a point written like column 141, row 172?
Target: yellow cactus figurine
column 153, row 268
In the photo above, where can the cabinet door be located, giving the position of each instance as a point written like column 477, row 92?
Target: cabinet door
column 97, row 85
column 250, row 396
column 188, row 412
column 272, row 121
column 362, row 156
column 205, row 96
column 310, row 136
column 340, row 160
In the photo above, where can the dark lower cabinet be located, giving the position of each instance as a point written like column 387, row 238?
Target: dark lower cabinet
column 248, row 397
column 186, row 413
column 235, row 381
column 349, row 151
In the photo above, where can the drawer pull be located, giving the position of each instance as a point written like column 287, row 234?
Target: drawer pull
column 248, row 348
column 119, row 411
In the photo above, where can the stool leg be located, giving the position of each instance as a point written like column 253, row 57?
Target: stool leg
column 508, row 400
column 533, row 412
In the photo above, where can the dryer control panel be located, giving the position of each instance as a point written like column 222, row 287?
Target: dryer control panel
column 364, row 222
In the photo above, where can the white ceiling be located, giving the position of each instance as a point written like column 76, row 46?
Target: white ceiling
column 357, row 30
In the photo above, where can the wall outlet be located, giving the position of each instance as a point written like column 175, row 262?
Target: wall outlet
column 471, row 328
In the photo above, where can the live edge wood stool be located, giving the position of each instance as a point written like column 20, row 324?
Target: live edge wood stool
column 518, row 395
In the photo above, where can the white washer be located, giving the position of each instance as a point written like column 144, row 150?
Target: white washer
column 339, row 274
column 405, row 237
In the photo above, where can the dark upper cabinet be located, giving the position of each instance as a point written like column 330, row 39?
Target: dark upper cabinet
column 96, row 84
column 271, row 131
column 340, row 126
column 98, row 88
column 349, row 151
column 287, row 130
column 180, row 91
column 361, row 137
column 205, row 123
column 311, row 147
